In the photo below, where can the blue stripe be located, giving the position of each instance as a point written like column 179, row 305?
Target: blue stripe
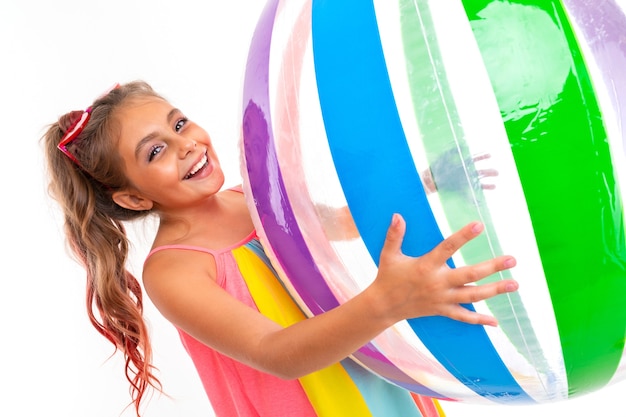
column 382, row 398
column 379, row 178
column 255, row 246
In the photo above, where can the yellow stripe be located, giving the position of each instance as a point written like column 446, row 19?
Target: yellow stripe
column 331, row 390
column 439, row 409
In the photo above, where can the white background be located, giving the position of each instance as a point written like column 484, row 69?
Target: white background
column 57, row 56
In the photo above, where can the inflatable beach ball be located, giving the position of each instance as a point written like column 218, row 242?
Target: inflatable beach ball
column 357, row 109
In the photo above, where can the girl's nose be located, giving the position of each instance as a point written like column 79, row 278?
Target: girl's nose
column 186, row 146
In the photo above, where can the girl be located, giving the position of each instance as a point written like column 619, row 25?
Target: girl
column 132, row 154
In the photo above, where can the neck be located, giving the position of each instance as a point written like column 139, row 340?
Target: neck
column 218, row 221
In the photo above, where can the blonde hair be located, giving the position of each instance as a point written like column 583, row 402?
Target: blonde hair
column 95, row 231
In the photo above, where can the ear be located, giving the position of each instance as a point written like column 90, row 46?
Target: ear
column 132, row 200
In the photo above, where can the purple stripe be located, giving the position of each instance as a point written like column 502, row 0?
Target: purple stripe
column 603, row 25
column 272, row 204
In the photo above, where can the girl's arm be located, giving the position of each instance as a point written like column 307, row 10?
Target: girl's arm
column 405, row 287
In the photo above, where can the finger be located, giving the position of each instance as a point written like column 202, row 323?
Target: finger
column 488, row 186
column 474, row 273
column 464, row 315
column 475, row 293
column 395, row 235
column 448, row 247
column 481, row 156
column 482, row 173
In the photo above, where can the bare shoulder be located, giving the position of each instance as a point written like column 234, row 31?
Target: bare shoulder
column 170, row 274
column 175, row 264
column 181, row 284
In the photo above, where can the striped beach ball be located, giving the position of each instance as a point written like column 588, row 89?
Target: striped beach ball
column 357, row 109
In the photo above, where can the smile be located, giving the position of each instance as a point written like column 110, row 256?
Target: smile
column 197, row 167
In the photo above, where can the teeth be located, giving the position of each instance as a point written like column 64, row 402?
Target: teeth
column 197, row 167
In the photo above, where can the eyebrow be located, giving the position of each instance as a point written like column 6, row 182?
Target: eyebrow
column 142, row 142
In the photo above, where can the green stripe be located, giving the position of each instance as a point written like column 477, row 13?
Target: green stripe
column 449, row 157
column 560, row 146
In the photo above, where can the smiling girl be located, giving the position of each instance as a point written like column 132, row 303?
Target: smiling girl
column 133, row 154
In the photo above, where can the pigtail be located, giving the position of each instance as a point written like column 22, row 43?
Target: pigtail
column 97, row 237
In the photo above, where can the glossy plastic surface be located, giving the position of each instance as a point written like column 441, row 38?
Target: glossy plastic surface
column 354, row 110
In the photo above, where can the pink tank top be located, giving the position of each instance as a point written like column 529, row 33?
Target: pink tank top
column 235, row 389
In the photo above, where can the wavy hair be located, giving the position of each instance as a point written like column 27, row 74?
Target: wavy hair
column 95, row 231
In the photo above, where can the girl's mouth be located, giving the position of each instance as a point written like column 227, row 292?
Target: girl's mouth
column 202, row 163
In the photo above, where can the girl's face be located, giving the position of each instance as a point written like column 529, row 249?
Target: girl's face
column 169, row 160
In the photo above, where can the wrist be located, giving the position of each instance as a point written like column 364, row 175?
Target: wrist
column 380, row 308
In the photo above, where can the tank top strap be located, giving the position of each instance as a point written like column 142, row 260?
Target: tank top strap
column 236, row 188
column 215, row 252
column 182, row 247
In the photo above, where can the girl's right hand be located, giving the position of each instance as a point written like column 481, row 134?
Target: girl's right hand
column 423, row 286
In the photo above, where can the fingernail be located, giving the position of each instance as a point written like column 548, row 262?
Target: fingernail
column 509, row 263
column 510, row 286
column 477, row 227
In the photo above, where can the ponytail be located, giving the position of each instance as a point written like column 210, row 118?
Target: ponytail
column 96, row 234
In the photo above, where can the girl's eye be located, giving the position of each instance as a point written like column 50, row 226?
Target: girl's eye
column 180, row 124
column 154, row 151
